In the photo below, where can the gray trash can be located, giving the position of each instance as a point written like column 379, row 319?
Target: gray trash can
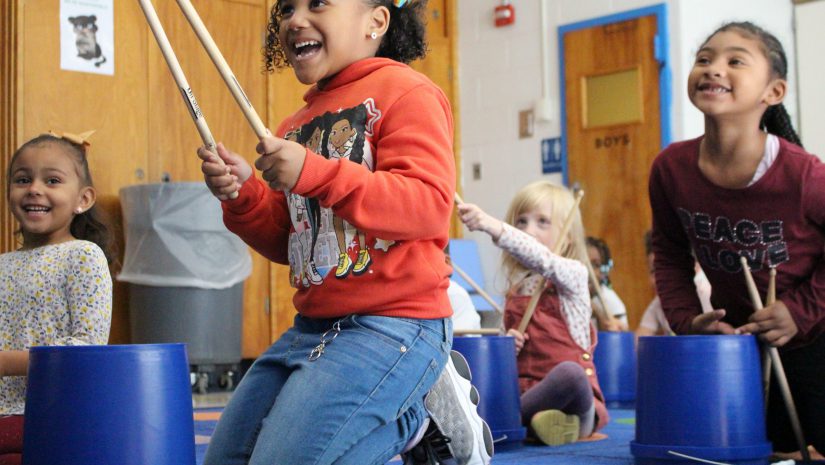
column 185, row 272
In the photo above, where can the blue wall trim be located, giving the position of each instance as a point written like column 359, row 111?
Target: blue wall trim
column 665, row 85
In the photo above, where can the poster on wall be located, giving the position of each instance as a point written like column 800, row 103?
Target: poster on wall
column 87, row 36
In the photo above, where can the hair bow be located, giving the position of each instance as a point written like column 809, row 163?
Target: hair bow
column 80, row 139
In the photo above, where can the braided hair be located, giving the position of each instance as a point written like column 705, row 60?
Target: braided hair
column 405, row 40
column 775, row 120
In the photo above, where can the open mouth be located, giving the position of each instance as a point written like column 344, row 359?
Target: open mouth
column 36, row 209
column 713, row 88
column 305, row 48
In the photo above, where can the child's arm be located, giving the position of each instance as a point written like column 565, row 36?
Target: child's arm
column 89, row 298
column 410, row 194
column 14, row 362
column 258, row 215
column 477, row 220
column 674, row 263
column 798, row 311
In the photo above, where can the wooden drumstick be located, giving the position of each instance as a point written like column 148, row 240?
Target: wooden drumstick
column 766, row 358
column 458, row 201
column 180, row 79
column 557, row 249
column 599, row 293
column 481, row 331
column 778, row 369
column 223, row 68
column 477, row 288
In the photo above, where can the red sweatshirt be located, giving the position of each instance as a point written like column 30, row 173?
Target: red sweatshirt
column 365, row 227
column 778, row 221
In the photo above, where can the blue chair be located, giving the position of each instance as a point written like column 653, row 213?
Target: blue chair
column 464, row 253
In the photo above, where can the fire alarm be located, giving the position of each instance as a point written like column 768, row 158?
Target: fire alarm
column 505, row 14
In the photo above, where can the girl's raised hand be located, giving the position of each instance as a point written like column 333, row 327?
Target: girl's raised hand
column 519, row 338
column 223, row 178
column 477, row 220
column 773, row 324
column 281, row 162
column 710, row 323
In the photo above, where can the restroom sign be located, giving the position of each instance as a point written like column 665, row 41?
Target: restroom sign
column 551, row 155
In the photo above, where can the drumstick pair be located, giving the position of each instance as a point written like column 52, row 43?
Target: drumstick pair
column 180, row 79
column 774, row 361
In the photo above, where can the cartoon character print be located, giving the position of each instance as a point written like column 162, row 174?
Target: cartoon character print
column 347, row 141
column 319, row 241
column 85, row 30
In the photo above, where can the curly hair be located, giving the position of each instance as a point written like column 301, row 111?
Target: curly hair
column 775, row 120
column 405, row 40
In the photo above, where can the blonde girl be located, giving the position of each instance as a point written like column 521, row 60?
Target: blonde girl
column 561, row 398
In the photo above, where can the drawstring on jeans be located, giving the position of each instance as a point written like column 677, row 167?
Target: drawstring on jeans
column 319, row 349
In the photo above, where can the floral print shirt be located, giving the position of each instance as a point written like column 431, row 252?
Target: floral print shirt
column 58, row 294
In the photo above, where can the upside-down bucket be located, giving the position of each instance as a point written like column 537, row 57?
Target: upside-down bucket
column 492, row 361
column 615, row 360
column 109, row 405
column 699, row 396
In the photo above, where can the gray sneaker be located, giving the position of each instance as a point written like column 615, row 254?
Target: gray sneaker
column 456, row 434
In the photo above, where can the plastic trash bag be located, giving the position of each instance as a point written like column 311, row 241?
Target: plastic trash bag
column 175, row 237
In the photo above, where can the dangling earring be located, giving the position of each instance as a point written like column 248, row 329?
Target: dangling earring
column 373, row 35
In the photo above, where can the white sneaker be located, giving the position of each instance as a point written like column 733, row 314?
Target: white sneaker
column 456, row 434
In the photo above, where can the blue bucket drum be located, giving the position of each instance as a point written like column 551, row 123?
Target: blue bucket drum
column 492, row 361
column 615, row 360
column 700, row 397
column 109, row 405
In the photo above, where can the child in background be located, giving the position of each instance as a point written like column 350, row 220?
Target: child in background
column 561, row 400
column 654, row 322
column 746, row 188
column 56, row 288
column 366, row 169
column 599, row 255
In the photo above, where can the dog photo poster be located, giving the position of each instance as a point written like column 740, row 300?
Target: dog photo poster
column 87, row 36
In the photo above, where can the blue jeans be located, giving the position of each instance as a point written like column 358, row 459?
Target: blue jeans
column 358, row 403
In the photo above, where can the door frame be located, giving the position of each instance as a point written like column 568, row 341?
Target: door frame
column 661, row 52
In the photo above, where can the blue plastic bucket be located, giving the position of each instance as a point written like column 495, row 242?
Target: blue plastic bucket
column 492, row 361
column 109, row 405
column 615, row 360
column 700, row 396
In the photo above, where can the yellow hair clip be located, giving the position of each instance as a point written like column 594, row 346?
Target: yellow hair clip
column 80, row 139
column 399, row 3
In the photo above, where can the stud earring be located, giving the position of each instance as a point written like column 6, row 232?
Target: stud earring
column 373, row 35
column 78, row 210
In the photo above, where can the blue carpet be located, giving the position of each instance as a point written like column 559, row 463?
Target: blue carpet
column 615, row 450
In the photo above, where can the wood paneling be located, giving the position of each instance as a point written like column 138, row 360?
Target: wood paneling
column 143, row 131
column 8, row 113
column 115, row 106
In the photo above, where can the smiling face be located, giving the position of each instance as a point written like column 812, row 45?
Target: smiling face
column 322, row 37
column 732, row 75
column 44, row 193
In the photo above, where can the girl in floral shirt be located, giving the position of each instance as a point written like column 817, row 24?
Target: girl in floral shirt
column 56, row 289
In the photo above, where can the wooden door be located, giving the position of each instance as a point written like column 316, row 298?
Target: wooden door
column 611, row 79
